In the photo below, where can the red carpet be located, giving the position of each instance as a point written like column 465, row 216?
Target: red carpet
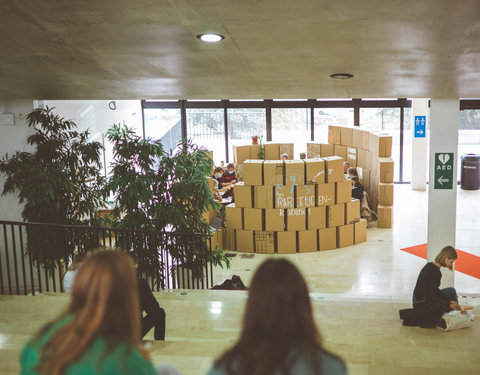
column 466, row 263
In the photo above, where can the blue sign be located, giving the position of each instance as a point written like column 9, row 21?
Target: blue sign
column 420, row 126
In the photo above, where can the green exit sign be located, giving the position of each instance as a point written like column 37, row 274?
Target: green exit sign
column 443, row 170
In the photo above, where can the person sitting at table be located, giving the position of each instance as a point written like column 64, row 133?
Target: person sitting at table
column 357, row 188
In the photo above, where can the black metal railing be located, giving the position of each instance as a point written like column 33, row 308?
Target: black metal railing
column 165, row 258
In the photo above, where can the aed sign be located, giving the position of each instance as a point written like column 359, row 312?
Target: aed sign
column 420, row 126
column 443, row 170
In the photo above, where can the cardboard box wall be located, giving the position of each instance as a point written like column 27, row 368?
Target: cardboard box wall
column 253, row 172
column 273, row 172
column 272, row 151
column 334, row 169
column 243, row 195
column 234, row 216
column 325, row 194
column 352, row 153
column 327, row 239
column 385, row 216
column 346, row 136
column 294, row 172
column 241, row 153
column 296, row 219
column 313, row 150
column 357, row 138
column 326, row 150
column 230, row 239
column 343, row 191
column 253, row 218
column 360, row 231
column 244, row 239
column 335, row 215
column 385, row 194
column 264, row 242
column 274, row 219
column 340, row 150
column 345, row 235
column 263, row 196
column 305, row 196
column 286, row 148
column 287, row 242
column 307, row 241
column 254, row 150
column 316, row 218
column 284, row 196
column 315, row 171
column 334, row 134
column 386, row 170
column 352, row 211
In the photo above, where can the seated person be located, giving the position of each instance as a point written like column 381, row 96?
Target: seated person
column 352, row 172
column 217, row 191
column 284, row 156
column 357, row 189
column 217, row 175
column 229, row 178
column 346, row 165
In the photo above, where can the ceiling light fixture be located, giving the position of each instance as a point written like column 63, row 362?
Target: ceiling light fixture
column 210, row 38
column 341, row 76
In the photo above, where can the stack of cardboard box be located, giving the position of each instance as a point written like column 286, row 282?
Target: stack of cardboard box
column 293, row 206
column 371, row 153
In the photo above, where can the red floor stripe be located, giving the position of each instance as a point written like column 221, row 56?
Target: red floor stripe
column 466, row 263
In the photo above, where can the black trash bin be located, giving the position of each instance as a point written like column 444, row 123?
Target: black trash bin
column 470, row 175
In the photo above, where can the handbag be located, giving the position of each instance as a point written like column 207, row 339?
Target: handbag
column 456, row 320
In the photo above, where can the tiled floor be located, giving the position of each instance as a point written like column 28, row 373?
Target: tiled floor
column 356, row 293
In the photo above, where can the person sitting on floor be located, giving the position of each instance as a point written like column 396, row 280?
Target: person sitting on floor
column 429, row 302
column 279, row 335
column 99, row 333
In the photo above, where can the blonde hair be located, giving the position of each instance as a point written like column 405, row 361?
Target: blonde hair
column 104, row 304
column 448, row 252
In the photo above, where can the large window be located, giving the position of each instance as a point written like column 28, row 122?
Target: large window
column 164, row 124
column 243, row 123
column 468, row 134
column 292, row 125
column 207, row 128
column 330, row 116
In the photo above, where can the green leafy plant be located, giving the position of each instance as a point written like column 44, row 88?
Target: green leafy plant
column 53, row 184
column 261, row 150
column 157, row 191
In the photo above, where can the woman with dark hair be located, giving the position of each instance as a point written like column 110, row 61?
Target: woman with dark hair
column 279, row 335
column 430, row 302
column 99, row 332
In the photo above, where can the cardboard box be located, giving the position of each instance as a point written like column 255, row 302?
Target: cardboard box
column 334, row 134
column 334, row 169
column 326, row 150
column 365, row 181
column 335, row 215
column 230, row 240
column 307, row 241
column 305, row 196
column 253, row 172
column 264, row 242
column 373, row 147
column 345, row 235
column 272, row 151
column 209, row 214
column 296, row 219
column 316, row 218
column 346, row 136
column 360, row 231
column 287, row 242
column 327, row 239
column 385, row 216
column 244, row 240
column 286, row 148
column 294, row 172
column 340, row 150
column 385, row 194
column 234, row 216
column 263, row 196
column 254, row 150
column 284, row 196
column 385, row 146
column 273, row 172
column 362, row 158
column 386, row 170
column 253, row 218
column 352, row 156
column 243, row 195
column 366, row 140
column 274, row 219
column 325, row 194
column 241, row 153
column 343, row 191
column 352, row 211
column 313, row 150
column 314, row 171
column 357, row 138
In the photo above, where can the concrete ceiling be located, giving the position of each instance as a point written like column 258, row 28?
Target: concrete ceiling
column 147, row 49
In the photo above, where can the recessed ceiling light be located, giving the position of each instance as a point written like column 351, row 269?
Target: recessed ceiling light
column 210, row 38
column 341, row 76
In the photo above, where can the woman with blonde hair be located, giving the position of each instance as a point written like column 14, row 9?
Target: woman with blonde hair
column 429, row 301
column 279, row 335
column 99, row 332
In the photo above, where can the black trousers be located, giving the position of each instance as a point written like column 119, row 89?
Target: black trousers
column 155, row 319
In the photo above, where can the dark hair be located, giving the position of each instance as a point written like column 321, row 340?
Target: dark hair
column 352, row 170
column 278, row 325
column 230, row 165
column 355, row 179
column 218, row 169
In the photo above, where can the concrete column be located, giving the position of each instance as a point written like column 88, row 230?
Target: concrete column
column 419, row 146
column 442, row 203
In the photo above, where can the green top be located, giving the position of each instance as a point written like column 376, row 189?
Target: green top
column 122, row 360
